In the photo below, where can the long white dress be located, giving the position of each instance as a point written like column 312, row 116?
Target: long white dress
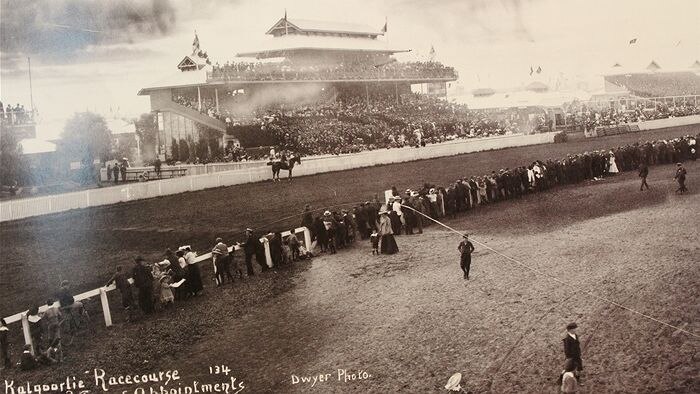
column 613, row 166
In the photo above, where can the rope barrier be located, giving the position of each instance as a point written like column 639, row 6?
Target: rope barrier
column 558, row 280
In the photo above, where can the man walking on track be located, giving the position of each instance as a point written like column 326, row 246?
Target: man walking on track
column 572, row 349
column 680, row 177
column 465, row 249
column 643, row 173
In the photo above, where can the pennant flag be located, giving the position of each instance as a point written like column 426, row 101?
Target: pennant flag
column 285, row 14
column 385, row 25
column 539, row 69
column 633, row 41
column 195, row 43
column 432, row 52
column 531, row 70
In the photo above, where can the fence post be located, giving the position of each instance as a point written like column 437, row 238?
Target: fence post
column 307, row 238
column 105, row 307
column 27, row 333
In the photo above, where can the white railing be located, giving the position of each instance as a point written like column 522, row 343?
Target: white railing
column 102, row 291
column 35, row 206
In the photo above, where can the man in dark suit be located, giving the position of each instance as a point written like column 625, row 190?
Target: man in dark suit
column 680, row 177
column 250, row 247
column 643, row 173
column 465, row 251
column 572, row 348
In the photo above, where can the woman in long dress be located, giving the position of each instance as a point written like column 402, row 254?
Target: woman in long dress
column 611, row 162
column 386, row 235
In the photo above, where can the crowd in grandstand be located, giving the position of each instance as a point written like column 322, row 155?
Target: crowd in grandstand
column 15, row 115
column 354, row 124
column 245, row 71
column 351, row 123
column 178, row 276
column 662, row 84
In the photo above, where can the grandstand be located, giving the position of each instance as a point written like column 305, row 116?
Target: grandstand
column 304, row 62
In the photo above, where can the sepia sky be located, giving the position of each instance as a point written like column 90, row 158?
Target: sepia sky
column 95, row 55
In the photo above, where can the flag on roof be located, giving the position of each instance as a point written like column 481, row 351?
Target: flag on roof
column 531, row 70
column 195, row 43
column 539, row 69
column 385, row 25
column 633, row 41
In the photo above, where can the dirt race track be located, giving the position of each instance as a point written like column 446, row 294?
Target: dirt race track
column 409, row 320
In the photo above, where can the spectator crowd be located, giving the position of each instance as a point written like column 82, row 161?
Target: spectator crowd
column 349, row 122
column 583, row 117
column 16, row 115
column 285, row 70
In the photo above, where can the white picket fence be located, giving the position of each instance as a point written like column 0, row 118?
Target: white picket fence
column 35, row 206
column 102, row 291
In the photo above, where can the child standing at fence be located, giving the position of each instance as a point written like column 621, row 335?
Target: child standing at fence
column 374, row 239
column 293, row 245
column 166, row 293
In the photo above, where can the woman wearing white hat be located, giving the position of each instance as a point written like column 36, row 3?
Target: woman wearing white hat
column 386, row 235
column 612, row 164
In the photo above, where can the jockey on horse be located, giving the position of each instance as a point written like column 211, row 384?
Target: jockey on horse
column 282, row 161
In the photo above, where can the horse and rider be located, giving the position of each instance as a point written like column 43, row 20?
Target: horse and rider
column 282, row 160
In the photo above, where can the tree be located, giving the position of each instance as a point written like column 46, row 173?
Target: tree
column 174, row 151
column 86, row 138
column 147, row 131
column 13, row 165
column 184, row 151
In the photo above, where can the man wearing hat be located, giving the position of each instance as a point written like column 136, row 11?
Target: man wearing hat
column 221, row 257
column 250, row 248
column 680, row 177
column 143, row 280
column 572, row 348
column 465, row 250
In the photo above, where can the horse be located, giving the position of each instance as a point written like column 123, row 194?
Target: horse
column 281, row 165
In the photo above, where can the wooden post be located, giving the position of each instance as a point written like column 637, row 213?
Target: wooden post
column 27, row 333
column 307, row 238
column 199, row 99
column 216, row 95
column 105, row 307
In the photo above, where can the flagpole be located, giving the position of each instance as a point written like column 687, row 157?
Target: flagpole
column 31, row 90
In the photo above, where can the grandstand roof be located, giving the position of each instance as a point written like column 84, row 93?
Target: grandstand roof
column 537, row 86
column 281, row 46
column 522, row 100
column 304, row 25
column 653, row 66
column 32, row 146
column 179, row 79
